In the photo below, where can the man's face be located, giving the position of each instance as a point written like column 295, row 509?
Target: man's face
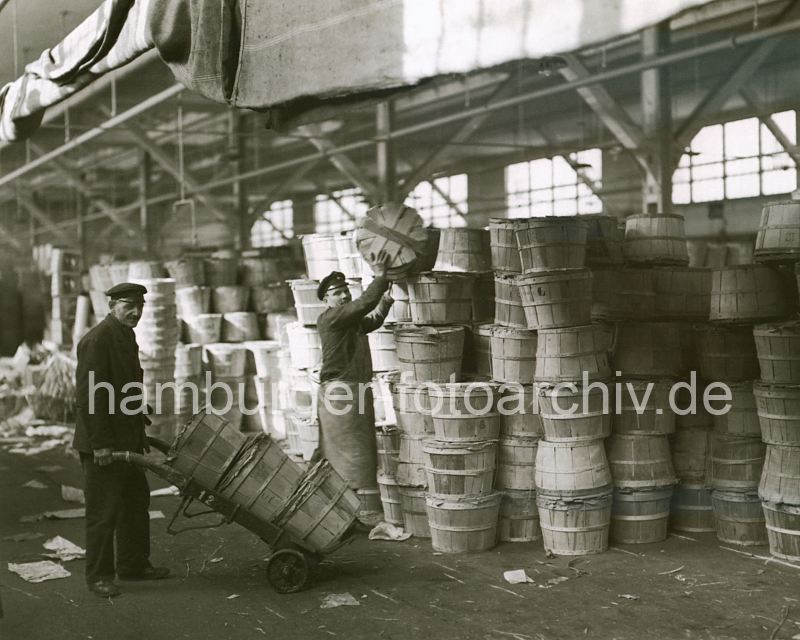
column 128, row 312
column 337, row 296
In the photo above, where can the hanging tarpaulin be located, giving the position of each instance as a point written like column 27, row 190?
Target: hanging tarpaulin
column 112, row 36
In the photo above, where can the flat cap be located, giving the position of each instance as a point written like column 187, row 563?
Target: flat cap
column 332, row 280
column 126, row 290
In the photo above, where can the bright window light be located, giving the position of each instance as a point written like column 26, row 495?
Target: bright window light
column 278, row 230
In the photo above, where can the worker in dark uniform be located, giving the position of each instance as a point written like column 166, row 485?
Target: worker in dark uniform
column 345, row 407
column 117, row 494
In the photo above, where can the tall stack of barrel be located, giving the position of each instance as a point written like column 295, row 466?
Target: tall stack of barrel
column 64, row 290
column 777, row 393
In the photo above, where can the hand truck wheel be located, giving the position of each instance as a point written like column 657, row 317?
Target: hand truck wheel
column 287, row 570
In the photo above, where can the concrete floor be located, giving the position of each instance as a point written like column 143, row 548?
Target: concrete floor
column 680, row 588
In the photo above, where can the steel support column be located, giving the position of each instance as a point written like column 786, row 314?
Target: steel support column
column 387, row 168
column 145, row 168
column 657, row 122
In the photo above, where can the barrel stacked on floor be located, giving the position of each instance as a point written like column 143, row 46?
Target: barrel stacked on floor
column 777, row 394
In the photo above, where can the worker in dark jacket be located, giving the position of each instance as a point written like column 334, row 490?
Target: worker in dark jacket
column 117, row 494
column 345, row 407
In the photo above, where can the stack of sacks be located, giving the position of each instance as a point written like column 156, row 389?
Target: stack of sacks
column 157, row 335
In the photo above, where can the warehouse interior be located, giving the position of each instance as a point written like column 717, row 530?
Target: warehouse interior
column 620, row 176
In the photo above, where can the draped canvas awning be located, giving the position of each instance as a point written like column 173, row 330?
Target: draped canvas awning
column 262, row 53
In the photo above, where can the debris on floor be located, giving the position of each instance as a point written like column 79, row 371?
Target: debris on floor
column 166, row 491
column 388, row 531
column 39, row 571
column 35, row 484
column 72, row 494
column 61, row 514
column 333, row 600
column 156, row 515
column 64, row 549
column 517, row 576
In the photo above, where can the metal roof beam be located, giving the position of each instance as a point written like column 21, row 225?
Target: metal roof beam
column 783, row 140
column 38, row 213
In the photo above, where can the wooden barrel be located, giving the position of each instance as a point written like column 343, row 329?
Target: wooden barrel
column 205, row 448
column 320, row 254
column 572, row 469
column 460, row 469
column 401, row 309
column 463, row 524
column 691, row 453
column 305, row 346
column 657, row 238
column 188, row 360
column 519, row 410
column 308, row 306
column 640, row 461
column 604, row 237
column 391, row 500
column 778, row 350
column 503, row 244
column 411, row 461
column 557, row 299
column 635, row 415
column 100, row 278
column 351, row 264
column 691, row 509
column 382, row 398
column 649, row 350
column 574, row 527
column 739, row 518
column 783, row 530
column 192, row 301
column 682, row 293
column 412, row 407
column 239, row 326
column 225, row 360
column 415, row 515
column 220, row 272
column 118, row 272
column 590, row 420
column 387, row 442
column 640, row 516
column 321, row 511
column 431, row 354
column 396, row 230
column 508, row 309
column 478, row 350
column 441, row 298
column 777, row 237
column 519, row 517
column 369, row 501
column 742, row 418
column 262, row 479
column 778, row 408
column 463, row 250
column 262, row 358
column 736, row 462
column 308, row 434
column 465, row 411
column 563, row 355
column 383, row 349
column 146, row 269
column 269, row 298
column 257, row 271
column 623, row 294
column 552, row 242
column 187, row 272
column 513, row 354
column 780, row 479
column 205, row 328
column 516, row 459
column 726, row 353
column 746, row 293
column 229, row 299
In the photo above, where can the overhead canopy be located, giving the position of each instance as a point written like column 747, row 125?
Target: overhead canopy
column 262, row 53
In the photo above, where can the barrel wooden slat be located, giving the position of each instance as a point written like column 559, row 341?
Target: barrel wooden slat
column 691, row 509
column 193, row 301
column 269, row 298
column 563, row 355
column 591, row 420
column 783, row 530
column 432, row 354
column 387, row 442
column 478, row 350
column 320, row 254
column 411, row 461
column 503, row 243
column 746, row 294
column 187, row 272
column 742, row 417
column 778, row 237
column 415, row 515
column 396, row 230
column 649, row 350
column 519, row 410
column 309, row 307
column 438, row 298
column 682, row 293
column 574, row 527
column 519, row 517
column 391, row 500
column 256, row 270
column 383, row 349
column 780, row 479
column 146, row 269
column 778, row 351
column 655, row 417
column 553, row 242
column 220, row 272
column 203, row 329
column 623, row 294
column 604, row 238
column 188, row 360
column 305, row 346
column 463, row 250
column 574, row 469
column 351, row 263
column 412, row 407
column 739, row 518
column 640, row 461
column 229, row 299
column 239, row 326
column 460, row 469
column 736, row 462
column 516, row 460
column 778, row 408
column 401, row 309
column 658, row 238
column 691, row 453
column 464, row 412
column 463, row 525
column 557, row 299
column 513, row 355
column 726, row 353
column 640, row 516
column 508, row 308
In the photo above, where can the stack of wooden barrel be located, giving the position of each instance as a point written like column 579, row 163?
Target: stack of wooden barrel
column 777, row 393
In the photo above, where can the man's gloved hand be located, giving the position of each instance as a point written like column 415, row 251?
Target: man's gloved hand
column 102, row 457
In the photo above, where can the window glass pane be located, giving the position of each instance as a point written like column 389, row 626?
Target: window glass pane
column 707, row 190
column 708, row 145
column 778, row 182
column 786, row 121
column 561, row 193
column 542, row 209
column 741, row 138
column 743, row 186
column 264, row 234
column 517, row 177
column 681, row 193
column 706, row 171
column 542, row 195
column 565, row 207
column 680, row 176
column 740, row 167
column 562, row 172
column 778, row 161
column 769, row 144
column 594, row 158
column 541, row 173
column 684, row 161
column 590, row 204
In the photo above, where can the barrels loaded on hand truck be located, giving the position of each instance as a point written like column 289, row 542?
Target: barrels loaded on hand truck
column 301, row 514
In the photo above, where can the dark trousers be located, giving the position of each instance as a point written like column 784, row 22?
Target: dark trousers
column 117, row 502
